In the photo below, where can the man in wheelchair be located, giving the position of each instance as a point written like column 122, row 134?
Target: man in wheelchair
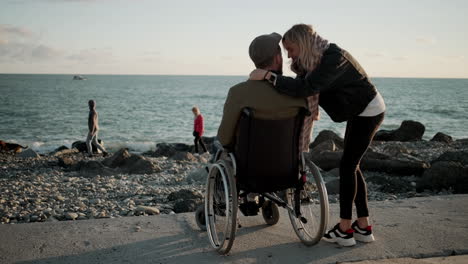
column 260, row 99
column 261, row 133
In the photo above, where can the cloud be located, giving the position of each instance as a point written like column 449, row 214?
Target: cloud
column 452, row 57
column 92, row 56
column 400, row 58
column 375, row 54
column 27, row 52
column 226, row 58
column 10, row 33
column 426, row 40
column 19, row 44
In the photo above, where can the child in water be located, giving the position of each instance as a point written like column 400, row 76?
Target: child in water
column 198, row 129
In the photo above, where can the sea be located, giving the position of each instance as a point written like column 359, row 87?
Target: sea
column 45, row 112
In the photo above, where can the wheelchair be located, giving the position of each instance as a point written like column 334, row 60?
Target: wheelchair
column 264, row 172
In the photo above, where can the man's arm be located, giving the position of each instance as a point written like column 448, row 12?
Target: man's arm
column 93, row 123
column 231, row 115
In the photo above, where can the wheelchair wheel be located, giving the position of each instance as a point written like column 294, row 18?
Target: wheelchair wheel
column 312, row 201
column 221, row 207
column 200, row 217
column 270, row 212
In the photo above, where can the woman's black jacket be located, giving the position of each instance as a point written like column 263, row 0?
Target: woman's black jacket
column 344, row 87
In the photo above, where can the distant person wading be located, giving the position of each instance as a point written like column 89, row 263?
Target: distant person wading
column 93, row 130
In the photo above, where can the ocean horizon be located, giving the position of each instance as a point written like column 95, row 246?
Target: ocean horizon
column 45, row 111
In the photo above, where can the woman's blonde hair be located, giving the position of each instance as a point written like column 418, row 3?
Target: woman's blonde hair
column 311, row 47
column 195, row 109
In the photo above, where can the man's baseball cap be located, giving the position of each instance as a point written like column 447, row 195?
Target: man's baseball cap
column 264, row 47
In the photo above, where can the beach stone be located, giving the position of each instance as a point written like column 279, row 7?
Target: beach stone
column 457, row 156
column 64, row 152
column 28, row 153
column 441, row 137
column 67, row 162
column 81, row 146
column 408, row 131
column 148, row 209
column 184, row 194
column 198, row 175
column 395, row 150
column 93, row 168
column 71, row 216
column 117, row 159
column 184, row 206
column 326, row 135
column 184, row 156
column 327, row 160
column 170, row 149
column 391, row 184
column 445, row 175
column 137, row 164
column 328, row 145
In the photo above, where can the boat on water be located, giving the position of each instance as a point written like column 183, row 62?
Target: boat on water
column 79, row 77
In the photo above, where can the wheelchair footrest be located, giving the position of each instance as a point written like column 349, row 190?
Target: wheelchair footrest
column 249, row 208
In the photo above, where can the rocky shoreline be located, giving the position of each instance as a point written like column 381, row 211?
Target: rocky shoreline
column 68, row 185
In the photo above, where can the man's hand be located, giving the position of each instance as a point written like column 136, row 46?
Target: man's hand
column 257, row 75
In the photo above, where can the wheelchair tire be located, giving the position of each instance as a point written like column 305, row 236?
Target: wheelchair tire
column 270, row 213
column 200, row 217
column 313, row 202
column 221, row 206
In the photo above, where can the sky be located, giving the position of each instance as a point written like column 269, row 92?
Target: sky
column 417, row 38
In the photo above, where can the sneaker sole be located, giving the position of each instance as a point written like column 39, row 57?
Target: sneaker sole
column 363, row 238
column 340, row 241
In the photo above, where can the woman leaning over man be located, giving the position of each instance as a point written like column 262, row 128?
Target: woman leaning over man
column 346, row 94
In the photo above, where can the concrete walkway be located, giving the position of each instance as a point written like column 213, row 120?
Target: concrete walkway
column 424, row 227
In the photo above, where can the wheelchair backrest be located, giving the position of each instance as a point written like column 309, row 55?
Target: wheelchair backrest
column 267, row 152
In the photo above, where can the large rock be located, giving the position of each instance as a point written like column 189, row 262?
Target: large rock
column 116, row 160
column 64, row 152
column 81, row 146
column 456, row 156
column 28, row 153
column 170, row 149
column 93, row 168
column 408, row 131
column 67, row 162
column 184, row 206
column 328, row 145
column 372, row 161
column 326, row 135
column 441, row 137
column 184, row 194
column 137, row 164
column 445, row 175
column 184, row 156
column 130, row 163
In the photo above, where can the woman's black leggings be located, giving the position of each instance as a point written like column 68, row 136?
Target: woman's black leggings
column 198, row 139
column 360, row 131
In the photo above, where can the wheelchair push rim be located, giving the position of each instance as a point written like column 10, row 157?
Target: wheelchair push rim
column 221, row 207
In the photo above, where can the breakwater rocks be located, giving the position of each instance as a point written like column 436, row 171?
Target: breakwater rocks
column 68, row 185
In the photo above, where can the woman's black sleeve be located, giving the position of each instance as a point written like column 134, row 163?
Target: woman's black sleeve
column 319, row 80
column 298, row 87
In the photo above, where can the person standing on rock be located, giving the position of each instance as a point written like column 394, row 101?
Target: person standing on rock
column 198, row 129
column 346, row 94
column 93, row 127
